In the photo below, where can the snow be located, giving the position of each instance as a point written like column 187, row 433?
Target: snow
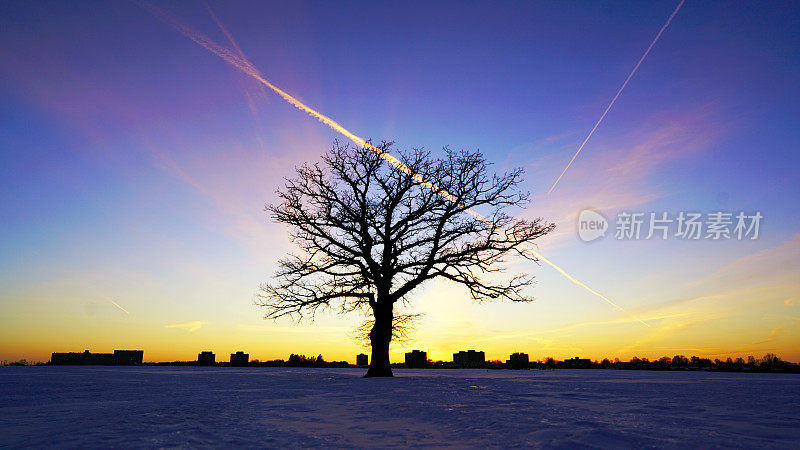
column 221, row 406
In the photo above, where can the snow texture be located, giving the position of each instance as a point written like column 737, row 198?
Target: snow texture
column 270, row 407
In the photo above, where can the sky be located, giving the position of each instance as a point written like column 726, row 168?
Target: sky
column 135, row 166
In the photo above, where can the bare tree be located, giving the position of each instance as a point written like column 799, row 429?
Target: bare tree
column 369, row 234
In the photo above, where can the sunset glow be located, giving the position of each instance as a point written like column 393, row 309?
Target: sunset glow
column 248, row 68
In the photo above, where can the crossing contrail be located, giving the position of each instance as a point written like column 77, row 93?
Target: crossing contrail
column 618, row 93
column 239, row 61
column 225, row 32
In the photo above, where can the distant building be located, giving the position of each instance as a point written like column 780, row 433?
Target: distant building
column 362, row 360
column 206, row 358
column 518, row 361
column 128, row 357
column 416, row 359
column 118, row 358
column 240, row 358
column 469, row 358
column 577, row 363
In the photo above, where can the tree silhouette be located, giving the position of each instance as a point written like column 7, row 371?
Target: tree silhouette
column 369, row 234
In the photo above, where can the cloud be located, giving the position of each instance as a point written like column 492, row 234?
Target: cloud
column 776, row 333
column 234, row 166
column 762, row 277
column 666, row 331
column 308, row 329
column 733, row 294
column 624, row 174
column 188, row 326
column 777, row 264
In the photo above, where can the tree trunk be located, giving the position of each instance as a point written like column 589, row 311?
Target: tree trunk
column 380, row 337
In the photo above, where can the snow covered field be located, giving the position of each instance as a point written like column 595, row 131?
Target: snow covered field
column 197, row 407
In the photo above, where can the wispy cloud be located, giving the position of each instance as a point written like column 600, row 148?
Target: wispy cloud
column 188, row 326
column 625, row 175
column 293, row 329
column 776, row 333
column 777, row 264
column 666, row 24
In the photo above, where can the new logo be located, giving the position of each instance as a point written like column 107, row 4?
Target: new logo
column 591, row 225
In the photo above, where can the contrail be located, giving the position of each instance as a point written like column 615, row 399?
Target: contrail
column 617, row 96
column 241, row 63
column 118, row 306
column 571, row 278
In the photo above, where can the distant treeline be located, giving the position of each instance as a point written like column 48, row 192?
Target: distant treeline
column 22, row 362
column 768, row 363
